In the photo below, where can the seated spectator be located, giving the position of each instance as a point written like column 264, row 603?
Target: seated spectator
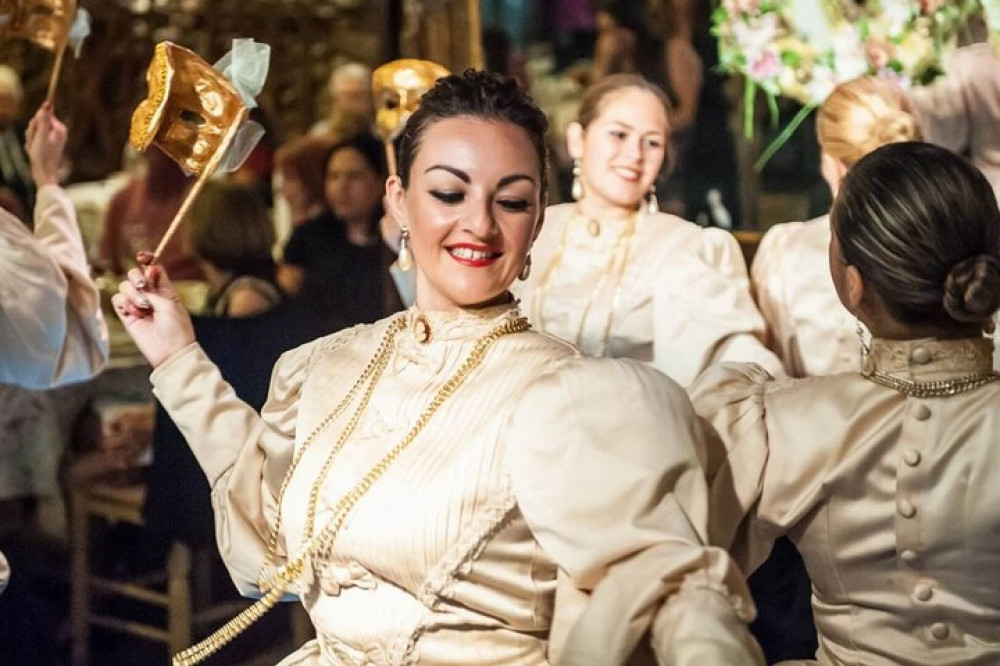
column 299, row 168
column 140, row 213
column 232, row 235
column 337, row 261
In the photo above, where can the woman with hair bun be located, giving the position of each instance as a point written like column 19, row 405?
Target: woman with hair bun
column 885, row 479
column 807, row 327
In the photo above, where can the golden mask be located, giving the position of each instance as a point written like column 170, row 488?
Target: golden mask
column 190, row 112
column 397, row 87
column 42, row 22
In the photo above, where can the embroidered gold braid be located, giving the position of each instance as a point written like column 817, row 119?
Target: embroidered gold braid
column 276, row 586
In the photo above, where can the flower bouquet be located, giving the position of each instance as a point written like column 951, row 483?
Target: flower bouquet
column 802, row 49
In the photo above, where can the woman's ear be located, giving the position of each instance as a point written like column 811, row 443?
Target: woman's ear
column 574, row 140
column 395, row 196
column 856, row 289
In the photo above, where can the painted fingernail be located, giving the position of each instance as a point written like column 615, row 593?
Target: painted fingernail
column 141, row 283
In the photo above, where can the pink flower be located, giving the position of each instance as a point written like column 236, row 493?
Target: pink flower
column 765, row 66
column 878, row 52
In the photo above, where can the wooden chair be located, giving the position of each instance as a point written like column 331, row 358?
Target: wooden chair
column 120, row 498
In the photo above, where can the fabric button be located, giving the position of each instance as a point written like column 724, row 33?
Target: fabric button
column 921, row 355
column 911, row 457
column 906, row 509
column 923, row 592
column 908, row 555
column 922, row 412
column 940, row 631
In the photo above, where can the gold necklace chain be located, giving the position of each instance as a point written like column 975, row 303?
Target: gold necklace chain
column 372, row 371
column 275, row 588
column 623, row 240
column 941, row 388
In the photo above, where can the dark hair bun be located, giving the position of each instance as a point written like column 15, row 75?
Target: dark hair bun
column 972, row 289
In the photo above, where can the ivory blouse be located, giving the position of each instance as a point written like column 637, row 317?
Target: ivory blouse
column 892, row 500
column 808, row 328
column 542, row 471
column 670, row 294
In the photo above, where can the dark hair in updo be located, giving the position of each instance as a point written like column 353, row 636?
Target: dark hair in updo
column 474, row 94
column 922, row 226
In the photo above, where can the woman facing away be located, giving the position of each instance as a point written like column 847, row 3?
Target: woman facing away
column 427, row 482
column 232, row 235
column 614, row 276
column 884, row 478
column 808, row 328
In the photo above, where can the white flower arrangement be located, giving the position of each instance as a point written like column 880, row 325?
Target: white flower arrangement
column 802, row 49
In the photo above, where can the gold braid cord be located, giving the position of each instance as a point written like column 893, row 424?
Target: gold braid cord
column 275, row 586
column 942, row 388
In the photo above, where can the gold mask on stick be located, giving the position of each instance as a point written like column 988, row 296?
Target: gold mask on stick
column 196, row 115
column 51, row 24
column 191, row 111
column 397, row 87
column 42, row 22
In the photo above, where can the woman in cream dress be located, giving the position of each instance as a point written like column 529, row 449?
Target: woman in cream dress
column 885, row 479
column 615, row 277
column 808, row 328
column 445, row 486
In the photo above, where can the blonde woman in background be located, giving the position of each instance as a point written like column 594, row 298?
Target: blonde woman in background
column 808, row 327
column 616, row 277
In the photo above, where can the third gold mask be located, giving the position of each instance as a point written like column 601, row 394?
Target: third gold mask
column 397, row 87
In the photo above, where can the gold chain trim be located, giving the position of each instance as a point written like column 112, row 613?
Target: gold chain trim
column 275, row 587
column 937, row 389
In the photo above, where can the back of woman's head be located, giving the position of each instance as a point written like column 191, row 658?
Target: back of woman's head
column 863, row 114
column 369, row 146
column 922, row 227
column 232, row 230
column 474, row 94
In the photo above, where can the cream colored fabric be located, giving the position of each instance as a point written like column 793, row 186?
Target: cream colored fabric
column 683, row 301
column 961, row 109
column 52, row 331
column 542, row 461
column 808, row 328
column 892, row 500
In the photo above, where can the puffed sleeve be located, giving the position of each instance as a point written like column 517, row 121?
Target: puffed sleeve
column 603, row 456
column 703, row 311
column 730, row 397
column 769, row 289
column 245, row 455
column 51, row 328
column 86, row 346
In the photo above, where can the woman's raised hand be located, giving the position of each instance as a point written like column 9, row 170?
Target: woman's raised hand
column 152, row 312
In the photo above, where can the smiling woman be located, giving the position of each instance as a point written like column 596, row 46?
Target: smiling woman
column 616, row 277
column 418, row 481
